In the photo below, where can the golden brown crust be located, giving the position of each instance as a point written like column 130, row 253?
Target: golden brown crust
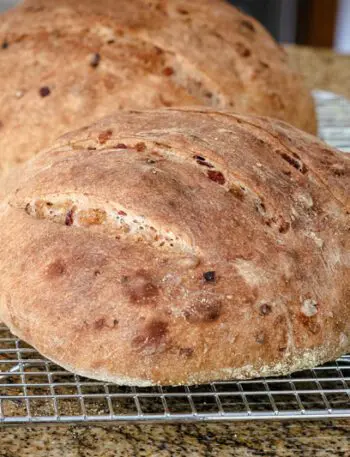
column 73, row 61
column 181, row 245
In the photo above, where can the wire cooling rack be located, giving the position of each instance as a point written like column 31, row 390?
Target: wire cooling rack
column 333, row 112
column 35, row 390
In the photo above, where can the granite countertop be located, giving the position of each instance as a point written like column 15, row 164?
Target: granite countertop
column 287, row 439
column 322, row 70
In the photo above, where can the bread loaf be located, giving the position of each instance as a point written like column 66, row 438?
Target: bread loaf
column 65, row 63
column 179, row 246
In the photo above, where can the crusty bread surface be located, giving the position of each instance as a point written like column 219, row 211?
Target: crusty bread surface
column 65, row 63
column 179, row 246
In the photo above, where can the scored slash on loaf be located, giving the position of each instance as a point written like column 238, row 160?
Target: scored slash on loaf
column 179, row 246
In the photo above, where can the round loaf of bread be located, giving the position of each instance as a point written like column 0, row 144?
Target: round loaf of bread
column 179, row 246
column 66, row 63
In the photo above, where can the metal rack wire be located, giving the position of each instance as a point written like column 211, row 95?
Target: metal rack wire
column 333, row 112
column 35, row 390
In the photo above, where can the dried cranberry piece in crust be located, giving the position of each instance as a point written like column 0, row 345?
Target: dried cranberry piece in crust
column 265, row 309
column 247, row 25
column 209, row 276
column 69, row 218
column 168, row 71
column 201, row 161
column 105, row 136
column 216, row 176
column 95, row 60
column 140, row 147
column 44, row 91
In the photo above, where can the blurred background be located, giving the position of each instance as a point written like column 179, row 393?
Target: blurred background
column 318, row 23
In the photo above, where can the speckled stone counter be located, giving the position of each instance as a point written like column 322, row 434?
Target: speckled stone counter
column 316, row 439
column 323, row 70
